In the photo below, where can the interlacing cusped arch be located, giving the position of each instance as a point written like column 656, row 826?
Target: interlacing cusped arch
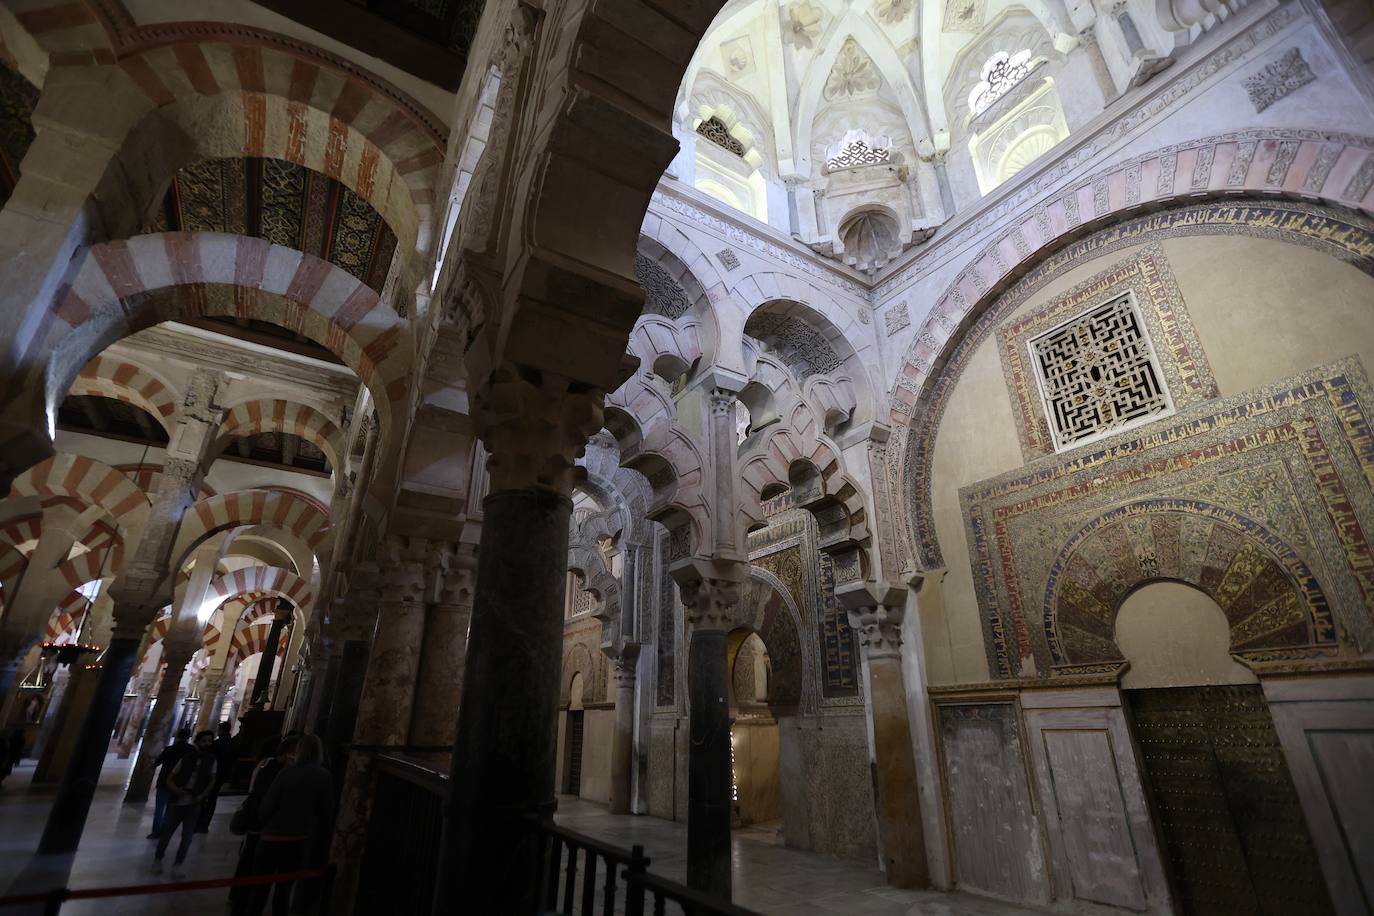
column 1273, row 603
column 1166, row 191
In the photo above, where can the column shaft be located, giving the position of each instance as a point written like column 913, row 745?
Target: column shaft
column 708, row 764
column 67, row 819
column 434, row 720
column 622, row 747
column 159, row 722
column 504, row 754
column 898, row 800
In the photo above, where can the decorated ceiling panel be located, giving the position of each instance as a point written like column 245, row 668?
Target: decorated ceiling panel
column 284, row 203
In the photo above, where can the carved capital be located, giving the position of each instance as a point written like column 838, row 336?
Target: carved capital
column 450, row 573
column 534, row 428
column 403, row 566
column 709, row 603
column 722, row 402
column 626, row 664
column 879, row 629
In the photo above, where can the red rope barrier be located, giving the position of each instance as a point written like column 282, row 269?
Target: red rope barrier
column 135, row 890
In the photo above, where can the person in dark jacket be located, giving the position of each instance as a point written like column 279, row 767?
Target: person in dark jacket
column 296, row 815
column 191, row 780
column 167, row 760
column 226, row 755
column 276, row 755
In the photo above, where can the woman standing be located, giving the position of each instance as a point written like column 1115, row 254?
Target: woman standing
column 296, row 815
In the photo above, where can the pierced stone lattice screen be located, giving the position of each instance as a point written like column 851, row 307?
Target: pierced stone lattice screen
column 857, row 153
column 714, row 129
column 1098, row 373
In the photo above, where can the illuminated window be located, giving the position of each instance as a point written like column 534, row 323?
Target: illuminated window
column 1002, row 71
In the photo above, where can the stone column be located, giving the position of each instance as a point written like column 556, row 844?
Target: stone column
column 281, row 618
column 143, row 587
column 176, row 654
column 710, row 599
column 439, row 687
column 875, row 613
column 505, row 748
column 211, row 697
column 622, row 743
column 134, row 727
column 1101, row 73
column 388, row 693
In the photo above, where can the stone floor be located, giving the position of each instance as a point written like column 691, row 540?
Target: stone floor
column 772, row 879
column 768, row 877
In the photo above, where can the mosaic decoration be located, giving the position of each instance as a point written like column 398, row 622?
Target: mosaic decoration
column 18, row 98
column 662, row 294
column 714, row 129
column 1256, row 499
column 1278, row 80
column 1343, row 236
column 666, row 637
column 780, row 638
column 284, row 203
column 1098, row 373
column 1159, row 304
column 839, row 653
column 804, row 349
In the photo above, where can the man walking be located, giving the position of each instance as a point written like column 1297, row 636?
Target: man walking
column 166, row 761
column 190, row 781
column 225, row 758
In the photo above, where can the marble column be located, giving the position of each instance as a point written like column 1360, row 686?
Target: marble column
column 710, row 599
column 1101, row 73
column 211, row 697
column 281, row 619
column 439, row 686
column 128, row 738
column 143, row 587
column 388, row 694
column 176, row 654
column 875, row 613
column 622, row 741
column 502, row 777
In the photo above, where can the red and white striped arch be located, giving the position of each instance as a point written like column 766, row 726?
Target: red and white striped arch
column 22, row 533
column 258, row 581
column 87, row 481
column 65, row 620
column 252, row 639
column 111, row 377
column 124, row 286
column 272, row 508
column 264, row 416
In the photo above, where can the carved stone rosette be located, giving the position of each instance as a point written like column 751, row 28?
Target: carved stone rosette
column 534, row 431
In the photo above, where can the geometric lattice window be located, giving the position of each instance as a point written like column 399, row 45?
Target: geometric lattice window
column 1098, row 374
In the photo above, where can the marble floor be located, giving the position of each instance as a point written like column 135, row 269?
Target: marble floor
column 768, row 877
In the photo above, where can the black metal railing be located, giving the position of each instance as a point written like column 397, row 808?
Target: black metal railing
column 404, row 830
column 579, row 869
column 579, row 876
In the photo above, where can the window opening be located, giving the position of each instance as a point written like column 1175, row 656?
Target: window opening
column 1001, row 72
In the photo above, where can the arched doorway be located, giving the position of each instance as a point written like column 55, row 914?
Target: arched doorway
column 756, row 790
column 572, row 745
column 1225, row 806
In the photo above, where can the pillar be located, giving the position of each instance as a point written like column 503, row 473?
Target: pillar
column 144, row 586
column 281, row 618
column 134, row 727
column 502, row 777
column 439, row 685
column 388, row 693
column 622, row 742
column 211, row 698
column 176, row 655
column 875, row 613
column 710, row 600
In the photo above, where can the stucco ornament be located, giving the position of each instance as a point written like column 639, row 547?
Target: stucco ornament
column 891, row 11
column 801, row 24
column 853, row 73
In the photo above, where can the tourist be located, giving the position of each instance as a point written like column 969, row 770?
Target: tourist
column 167, row 760
column 11, row 752
column 225, row 757
column 191, row 780
column 275, row 755
column 296, row 816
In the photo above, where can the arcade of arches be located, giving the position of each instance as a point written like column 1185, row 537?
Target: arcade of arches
column 929, row 435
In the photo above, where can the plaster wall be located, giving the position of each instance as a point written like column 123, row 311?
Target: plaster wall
column 1244, row 296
